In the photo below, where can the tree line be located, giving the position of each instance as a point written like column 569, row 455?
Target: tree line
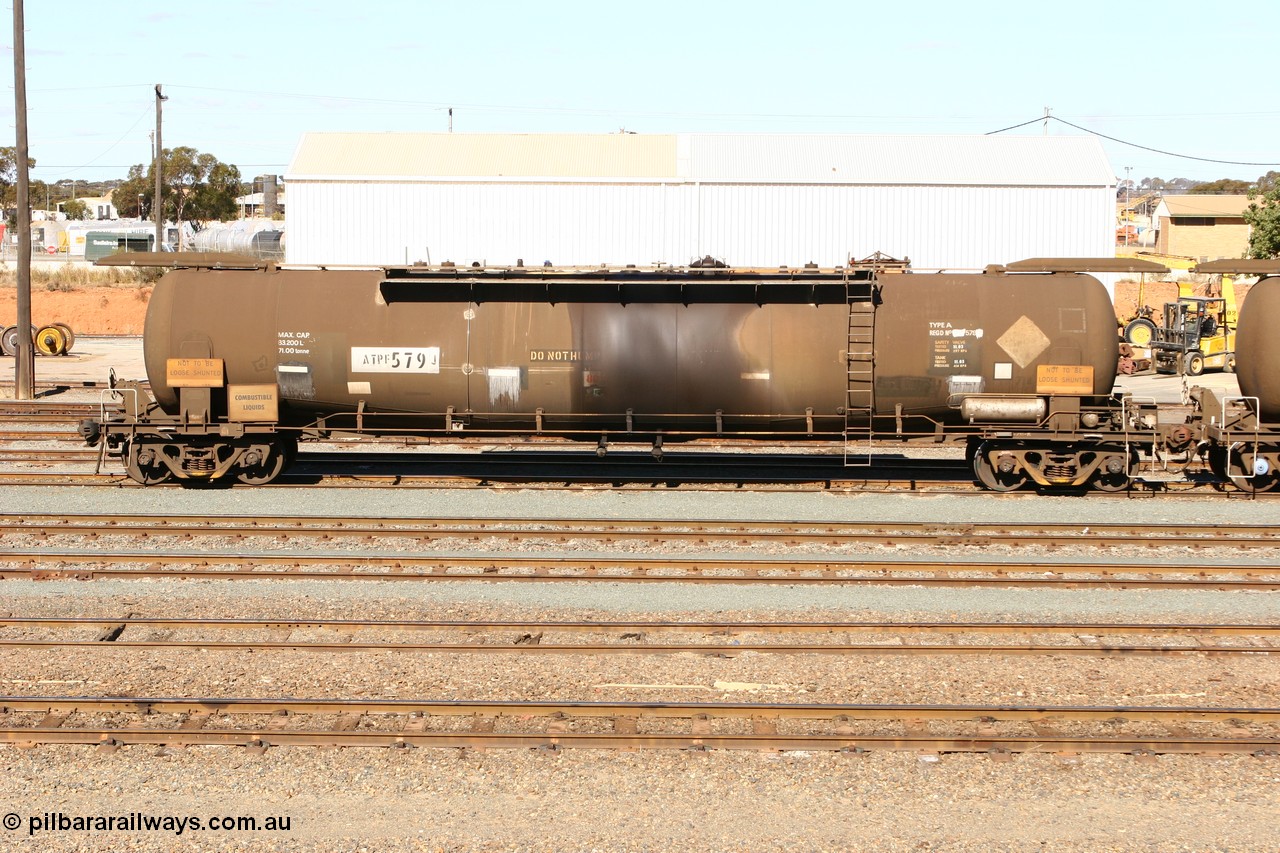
column 1262, row 213
column 1186, row 186
column 196, row 187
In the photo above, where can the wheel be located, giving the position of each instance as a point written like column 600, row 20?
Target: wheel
column 1264, row 482
column 268, row 469
column 71, row 336
column 1230, row 365
column 990, row 476
column 971, row 447
column 9, row 341
column 1108, row 480
column 1193, row 364
column 1216, row 457
column 143, row 466
column 51, row 341
column 1139, row 332
column 1259, row 483
column 1223, row 462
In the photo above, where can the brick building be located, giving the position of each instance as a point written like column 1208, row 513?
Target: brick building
column 1204, row 227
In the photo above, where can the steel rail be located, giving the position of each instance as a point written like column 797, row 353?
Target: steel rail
column 745, row 532
column 624, row 626
column 601, row 570
column 35, row 420
column 237, row 705
column 655, row 567
column 49, row 454
column 710, row 650
column 687, row 482
column 625, row 721
column 110, row 739
column 526, row 642
column 436, row 481
column 24, row 408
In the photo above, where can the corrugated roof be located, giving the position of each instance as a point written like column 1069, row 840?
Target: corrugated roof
column 711, row 158
column 947, row 160
column 469, row 155
column 1206, row 205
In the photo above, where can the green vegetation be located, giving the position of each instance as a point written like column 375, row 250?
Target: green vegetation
column 1222, row 186
column 75, row 209
column 1263, row 214
column 196, row 187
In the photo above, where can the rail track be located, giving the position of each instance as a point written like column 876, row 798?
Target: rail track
column 610, row 531
column 39, row 547
column 258, row 724
column 731, row 639
column 100, row 563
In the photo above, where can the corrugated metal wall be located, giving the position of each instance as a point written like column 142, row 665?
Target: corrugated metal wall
column 645, row 223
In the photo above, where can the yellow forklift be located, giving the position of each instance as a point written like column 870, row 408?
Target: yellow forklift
column 1141, row 325
column 1198, row 333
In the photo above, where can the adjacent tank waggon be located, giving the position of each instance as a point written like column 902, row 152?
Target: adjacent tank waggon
column 1241, row 435
column 244, row 358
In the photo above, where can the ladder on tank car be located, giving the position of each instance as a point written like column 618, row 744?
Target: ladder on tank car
column 859, row 403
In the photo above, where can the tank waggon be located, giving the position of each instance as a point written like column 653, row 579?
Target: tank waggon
column 1258, row 343
column 244, row 357
column 1241, row 436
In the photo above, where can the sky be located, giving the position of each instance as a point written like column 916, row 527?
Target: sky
column 246, row 78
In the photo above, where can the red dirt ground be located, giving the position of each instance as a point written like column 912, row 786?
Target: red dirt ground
column 90, row 310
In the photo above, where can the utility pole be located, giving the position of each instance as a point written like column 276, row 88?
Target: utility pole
column 24, row 371
column 1044, row 131
column 1127, row 184
column 159, row 154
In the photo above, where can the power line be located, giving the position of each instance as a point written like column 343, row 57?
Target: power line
column 1132, row 144
column 71, row 169
column 1013, row 126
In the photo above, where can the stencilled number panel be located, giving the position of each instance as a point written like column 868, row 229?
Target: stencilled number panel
column 395, row 359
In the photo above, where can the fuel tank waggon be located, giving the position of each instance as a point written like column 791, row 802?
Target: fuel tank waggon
column 709, row 349
column 1258, row 346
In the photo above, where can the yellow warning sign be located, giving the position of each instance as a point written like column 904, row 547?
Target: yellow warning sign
column 193, row 372
column 1064, row 379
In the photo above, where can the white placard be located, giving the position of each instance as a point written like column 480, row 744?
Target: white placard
column 395, row 359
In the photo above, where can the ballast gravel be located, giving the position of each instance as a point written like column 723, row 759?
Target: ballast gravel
column 447, row 800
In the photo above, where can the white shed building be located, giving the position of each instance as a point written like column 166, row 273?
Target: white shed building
column 947, row 202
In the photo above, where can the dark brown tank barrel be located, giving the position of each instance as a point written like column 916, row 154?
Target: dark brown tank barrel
column 749, row 349
column 1258, row 346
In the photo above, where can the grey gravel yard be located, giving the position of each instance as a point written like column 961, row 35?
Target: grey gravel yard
column 371, row 799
